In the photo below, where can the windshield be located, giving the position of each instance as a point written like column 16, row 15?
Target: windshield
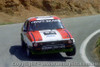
column 46, row 24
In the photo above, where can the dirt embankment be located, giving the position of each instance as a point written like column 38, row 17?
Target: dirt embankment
column 19, row 10
column 97, row 49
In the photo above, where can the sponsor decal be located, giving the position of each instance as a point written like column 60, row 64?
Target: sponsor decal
column 50, row 37
column 43, row 21
column 53, row 47
column 49, row 33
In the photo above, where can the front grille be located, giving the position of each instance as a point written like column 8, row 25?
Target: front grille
column 53, row 43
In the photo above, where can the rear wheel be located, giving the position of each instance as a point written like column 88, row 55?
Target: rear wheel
column 72, row 53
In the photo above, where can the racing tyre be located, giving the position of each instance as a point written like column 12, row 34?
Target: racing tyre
column 23, row 43
column 28, row 51
column 73, row 52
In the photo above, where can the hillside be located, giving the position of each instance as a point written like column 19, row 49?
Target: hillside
column 19, row 10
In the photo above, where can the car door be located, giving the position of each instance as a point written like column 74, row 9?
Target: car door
column 25, row 30
column 26, row 33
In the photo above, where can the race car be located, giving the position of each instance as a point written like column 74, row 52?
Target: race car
column 46, row 35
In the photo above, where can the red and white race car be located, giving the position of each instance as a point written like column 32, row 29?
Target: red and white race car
column 46, row 34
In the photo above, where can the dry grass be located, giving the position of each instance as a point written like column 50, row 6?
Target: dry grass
column 97, row 49
column 15, row 11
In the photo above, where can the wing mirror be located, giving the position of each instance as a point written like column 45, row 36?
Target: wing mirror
column 24, row 30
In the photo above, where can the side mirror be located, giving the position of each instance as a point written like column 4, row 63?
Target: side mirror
column 24, row 30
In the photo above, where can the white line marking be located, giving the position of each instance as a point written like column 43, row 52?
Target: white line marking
column 83, row 47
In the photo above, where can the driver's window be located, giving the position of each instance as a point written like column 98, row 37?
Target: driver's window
column 25, row 25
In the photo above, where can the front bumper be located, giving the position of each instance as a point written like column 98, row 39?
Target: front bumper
column 38, row 50
column 52, row 51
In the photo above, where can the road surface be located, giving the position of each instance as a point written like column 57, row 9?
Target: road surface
column 11, row 54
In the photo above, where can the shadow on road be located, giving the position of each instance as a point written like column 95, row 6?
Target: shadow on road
column 21, row 54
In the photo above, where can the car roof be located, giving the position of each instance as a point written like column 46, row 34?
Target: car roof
column 42, row 18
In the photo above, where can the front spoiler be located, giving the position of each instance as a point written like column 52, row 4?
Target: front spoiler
column 52, row 51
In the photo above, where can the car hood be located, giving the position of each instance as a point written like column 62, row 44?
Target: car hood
column 50, row 35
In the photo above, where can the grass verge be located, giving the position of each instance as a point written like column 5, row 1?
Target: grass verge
column 6, row 23
column 97, row 49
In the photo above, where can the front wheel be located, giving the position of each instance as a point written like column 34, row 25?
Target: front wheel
column 23, row 43
column 28, row 51
column 73, row 52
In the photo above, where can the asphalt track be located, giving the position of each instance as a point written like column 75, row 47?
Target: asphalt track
column 11, row 54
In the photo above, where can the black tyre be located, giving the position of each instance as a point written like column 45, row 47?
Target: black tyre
column 24, row 46
column 73, row 52
column 28, row 52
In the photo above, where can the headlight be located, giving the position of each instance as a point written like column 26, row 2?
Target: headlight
column 70, row 41
column 40, row 43
column 35, row 44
